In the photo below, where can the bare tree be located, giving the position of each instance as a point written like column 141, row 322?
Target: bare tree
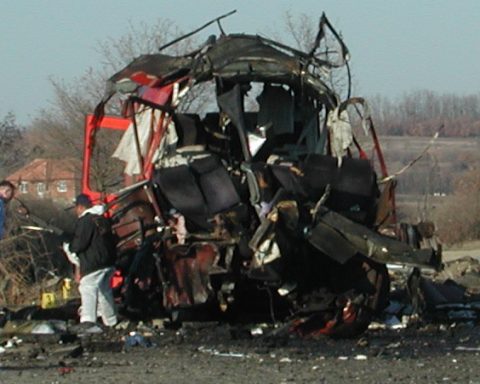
column 57, row 132
column 421, row 113
column 302, row 30
column 12, row 150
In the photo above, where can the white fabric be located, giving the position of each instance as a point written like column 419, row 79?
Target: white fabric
column 71, row 256
column 147, row 120
column 167, row 145
column 97, row 297
column 179, row 227
column 338, row 124
column 98, row 209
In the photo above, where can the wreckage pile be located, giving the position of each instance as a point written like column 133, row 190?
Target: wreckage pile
column 449, row 296
column 263, row 206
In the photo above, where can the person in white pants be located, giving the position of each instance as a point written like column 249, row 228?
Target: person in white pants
column 97, row 297
column 93, row 250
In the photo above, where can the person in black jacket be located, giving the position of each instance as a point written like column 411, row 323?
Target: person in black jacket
column 93, row 248
column 7, row 190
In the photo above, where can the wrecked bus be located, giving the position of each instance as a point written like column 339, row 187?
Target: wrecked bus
column 261, row 203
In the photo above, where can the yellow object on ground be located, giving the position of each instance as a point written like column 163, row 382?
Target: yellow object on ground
column 48, row 300
column 66, row 288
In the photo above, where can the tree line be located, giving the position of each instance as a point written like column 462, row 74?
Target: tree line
column 424, row 112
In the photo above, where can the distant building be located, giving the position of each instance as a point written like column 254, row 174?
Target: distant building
column 58, row 180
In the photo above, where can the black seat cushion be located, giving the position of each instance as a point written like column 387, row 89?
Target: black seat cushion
column 216, row 184
column 189, row 129
column 180, row 188
column 354, row 187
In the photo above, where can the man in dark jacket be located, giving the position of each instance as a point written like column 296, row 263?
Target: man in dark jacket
column 93, row 246
column 7, row 191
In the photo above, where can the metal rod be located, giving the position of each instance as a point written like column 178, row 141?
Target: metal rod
column 196, row 30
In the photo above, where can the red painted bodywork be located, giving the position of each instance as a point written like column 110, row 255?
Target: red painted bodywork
column 92, row 124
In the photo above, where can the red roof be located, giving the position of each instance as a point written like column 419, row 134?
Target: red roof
column 47, row 170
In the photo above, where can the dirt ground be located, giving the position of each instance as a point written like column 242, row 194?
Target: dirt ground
column 212, row 353
column 468, row 249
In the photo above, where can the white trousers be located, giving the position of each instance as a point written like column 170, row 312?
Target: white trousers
column 97, row 297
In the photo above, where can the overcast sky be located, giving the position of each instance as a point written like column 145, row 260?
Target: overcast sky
column 396, row 46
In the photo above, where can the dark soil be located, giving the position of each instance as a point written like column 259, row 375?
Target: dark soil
column 212, row 353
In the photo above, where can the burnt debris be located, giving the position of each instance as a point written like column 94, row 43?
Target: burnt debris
column 263, row 203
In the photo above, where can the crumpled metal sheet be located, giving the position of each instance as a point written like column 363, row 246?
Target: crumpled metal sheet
column 189, row 268
column 352, row 237
column 238, row 57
